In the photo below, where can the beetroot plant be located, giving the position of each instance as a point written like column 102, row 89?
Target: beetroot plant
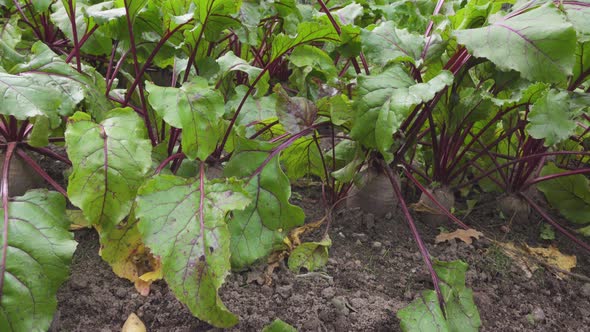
column 185, row 123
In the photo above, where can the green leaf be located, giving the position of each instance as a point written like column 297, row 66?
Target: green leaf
column 338, row 108
column 578, row 13
column 47, row 69
column 230, row 62
column 196, row 108
column 582, row 65
column 547, row 232
column 310, row 255
column 302, row 158
column 349, row 13
column 39, row 252
column 386, row 43
column 384, row 101
column 40, row 134
column 584, row 231
column 254, row 109
column 313, row 58
column 183, row 222
column 349, row 157
column 217, row 16
column 551, row 118
column 10, row 36
column 424, row 313
column 97, row 43
column 262, row 226
column 105, row 12
column 110, row 160
column 569, row 194
column 132, row 7
column 23, row 97
column 539, row 44
column 279, row 326
column 307, row 32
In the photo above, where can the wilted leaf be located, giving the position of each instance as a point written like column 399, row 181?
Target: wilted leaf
column 294, row 113
column 121, row 246
column 310, row 255
column 464, row 235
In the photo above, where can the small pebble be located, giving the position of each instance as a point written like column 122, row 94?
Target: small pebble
column 538, row 315
column 121, row 293
column 328, row 293
column 586, row 290
column 358, row 303
column 358, row 243
column 408, row 295
column 360, row 236
column 377, row 245
column 388, row 216
column 266, row 291
column 369, row 220
column 285, row 291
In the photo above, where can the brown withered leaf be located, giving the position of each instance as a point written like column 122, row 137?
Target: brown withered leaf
column 291, row 242
column 294, row 113
column 464, row 235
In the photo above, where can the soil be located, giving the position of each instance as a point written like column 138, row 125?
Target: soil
column 374, row 270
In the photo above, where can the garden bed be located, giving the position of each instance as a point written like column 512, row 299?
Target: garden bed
column 375, row 269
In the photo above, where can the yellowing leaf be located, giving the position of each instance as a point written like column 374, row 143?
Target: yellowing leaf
column 294, row 237
column 122, row 248
column 529, row 258
column 554, row 257
column 133, row 324
column 77, row 220
column 464, row 235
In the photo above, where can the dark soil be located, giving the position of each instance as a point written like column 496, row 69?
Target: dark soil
column 374, row 270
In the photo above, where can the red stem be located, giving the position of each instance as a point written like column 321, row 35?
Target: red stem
column 4, row 190
column 416, row 235
column 76, row 50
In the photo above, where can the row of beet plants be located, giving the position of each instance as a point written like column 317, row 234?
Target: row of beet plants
column 185, row 123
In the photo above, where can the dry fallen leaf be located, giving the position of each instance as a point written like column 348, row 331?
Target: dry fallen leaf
column 464, row 235
column 555, row 258
column 133, row 324
column 527, row 258
column 294, row 238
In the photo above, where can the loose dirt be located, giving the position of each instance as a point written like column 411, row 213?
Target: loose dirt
column 374, row 270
